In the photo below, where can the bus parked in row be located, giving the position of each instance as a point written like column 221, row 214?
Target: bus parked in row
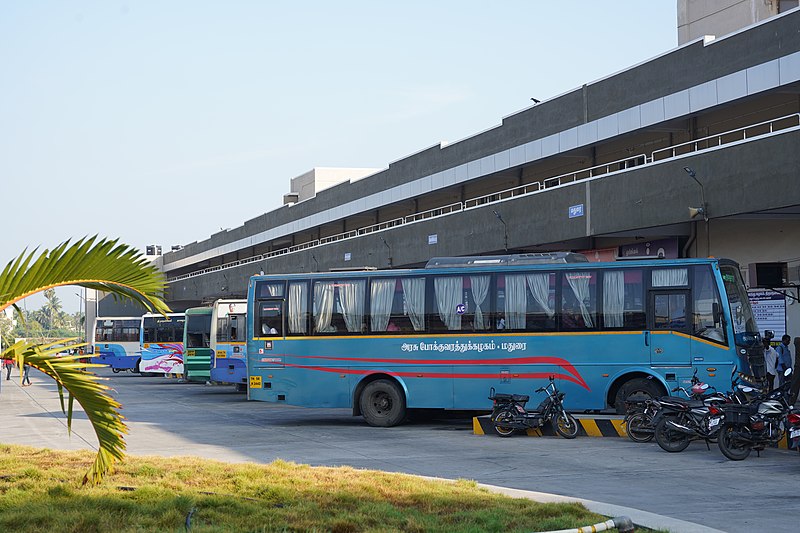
column 161, row 343
column 116, row 343
column 229, row 342
column 197, row 344
column 384, row 342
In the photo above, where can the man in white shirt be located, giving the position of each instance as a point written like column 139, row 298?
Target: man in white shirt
column 770, row 361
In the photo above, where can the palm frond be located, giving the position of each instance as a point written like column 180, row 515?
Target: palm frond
column 96, row 264
column 84, row 387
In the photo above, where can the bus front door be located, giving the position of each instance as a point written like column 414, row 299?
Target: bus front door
column 668, row 322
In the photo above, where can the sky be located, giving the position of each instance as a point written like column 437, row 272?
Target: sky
column 163, row 122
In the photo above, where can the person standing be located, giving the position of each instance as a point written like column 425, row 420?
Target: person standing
column 795, row 378
column 25, row 376
column 770, row 362
column 784, row 358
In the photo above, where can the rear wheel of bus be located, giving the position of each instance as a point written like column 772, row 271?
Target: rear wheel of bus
column 383, row 403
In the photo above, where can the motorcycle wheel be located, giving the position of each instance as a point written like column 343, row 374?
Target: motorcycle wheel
column 730, row 448
column 499, row 428
column 639, row 429
column 566, row 425
column 668, row 439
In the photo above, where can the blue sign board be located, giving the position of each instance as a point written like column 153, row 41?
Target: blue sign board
column 576, row 211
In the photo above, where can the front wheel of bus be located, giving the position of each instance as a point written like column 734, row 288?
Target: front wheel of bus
column 637, row 389
column 383, row 404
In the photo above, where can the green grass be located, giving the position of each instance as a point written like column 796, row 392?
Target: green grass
column 40, row 491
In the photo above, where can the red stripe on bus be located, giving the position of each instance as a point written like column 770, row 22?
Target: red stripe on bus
column 441, row 375
column 563, row 363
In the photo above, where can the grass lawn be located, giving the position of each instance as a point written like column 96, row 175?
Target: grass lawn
column 40, row 491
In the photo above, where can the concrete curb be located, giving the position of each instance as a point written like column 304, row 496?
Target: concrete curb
column 588, row 426
column 640, row 518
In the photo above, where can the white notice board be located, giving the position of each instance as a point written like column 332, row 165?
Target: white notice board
column 769, row 308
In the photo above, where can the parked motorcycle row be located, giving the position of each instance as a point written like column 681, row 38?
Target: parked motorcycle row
column 739, row 421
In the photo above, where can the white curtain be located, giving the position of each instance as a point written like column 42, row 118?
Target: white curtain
column 414, row 291
column 579, row 282
column 448, row 296
column 539, row 285
column 274, row 289
column 516, row 301
column 480, row 289
column 671, row 277
column 323, row 306
column 298, row 307
column 613, row 298
column 382, row 296
column 351, row 296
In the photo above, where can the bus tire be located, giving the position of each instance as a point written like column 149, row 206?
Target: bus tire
column 637, row 388
column 383, row 403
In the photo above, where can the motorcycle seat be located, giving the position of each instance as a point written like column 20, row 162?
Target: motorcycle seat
column 691, row 404
column 503, row 397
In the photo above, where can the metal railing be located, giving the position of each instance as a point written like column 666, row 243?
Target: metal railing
column 719, row 139
column 745, row 133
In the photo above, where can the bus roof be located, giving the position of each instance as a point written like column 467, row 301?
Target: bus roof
column 489, row 267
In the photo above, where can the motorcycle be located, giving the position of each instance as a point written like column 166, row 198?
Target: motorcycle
column 757, row 424
column 509, row 413
column 642, row 415
column 794, row 430
column 681, row 421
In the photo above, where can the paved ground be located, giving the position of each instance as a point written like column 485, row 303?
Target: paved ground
column 168, row 418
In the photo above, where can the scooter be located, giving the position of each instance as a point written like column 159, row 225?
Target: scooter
column 509, row 413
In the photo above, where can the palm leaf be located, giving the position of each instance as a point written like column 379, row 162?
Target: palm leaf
column 103, row 265
column 84, row 387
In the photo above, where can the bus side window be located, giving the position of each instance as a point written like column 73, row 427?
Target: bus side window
column 669, row 310
column 270, row 318
column 706, row 323
column 234, row 329
column 222, row 329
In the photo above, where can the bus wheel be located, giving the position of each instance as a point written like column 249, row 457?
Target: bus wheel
column 383, row 404
column 637, row 389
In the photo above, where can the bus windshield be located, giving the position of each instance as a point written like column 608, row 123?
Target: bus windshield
column 741, row 313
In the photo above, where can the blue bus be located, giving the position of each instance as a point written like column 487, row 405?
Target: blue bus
column 161, row 343
column 116, row 343
column 229, row 342
column 439, row 337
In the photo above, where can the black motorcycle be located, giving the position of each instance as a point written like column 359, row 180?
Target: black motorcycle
column 509, row 413
column 642, row 415
column 755, row 425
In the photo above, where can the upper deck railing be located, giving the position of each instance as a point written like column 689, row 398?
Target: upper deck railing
column 742, row 134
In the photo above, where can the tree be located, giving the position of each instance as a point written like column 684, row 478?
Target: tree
column 95, row 264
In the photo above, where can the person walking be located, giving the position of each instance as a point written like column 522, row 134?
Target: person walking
column 770, row 362
column 25, row 376
column 784, row 358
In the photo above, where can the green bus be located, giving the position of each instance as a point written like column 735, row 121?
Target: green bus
column 197, row 345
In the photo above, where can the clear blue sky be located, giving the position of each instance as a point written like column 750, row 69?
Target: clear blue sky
column 128, row 119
